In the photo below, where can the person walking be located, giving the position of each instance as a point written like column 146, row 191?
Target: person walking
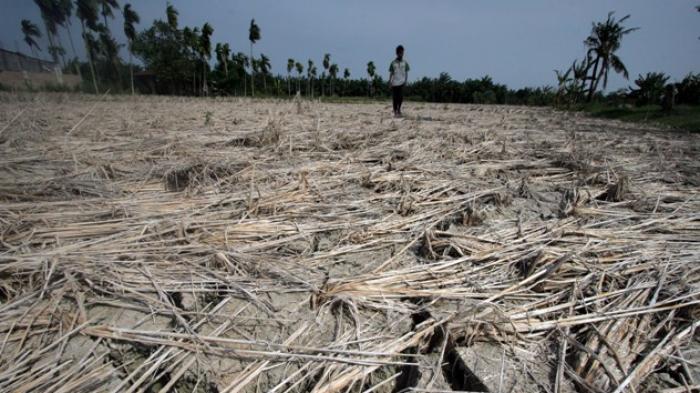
column 398, row 76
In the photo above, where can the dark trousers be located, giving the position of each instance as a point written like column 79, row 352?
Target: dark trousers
column 397, row 94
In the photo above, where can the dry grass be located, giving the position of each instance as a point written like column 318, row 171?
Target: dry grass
column 172, row 244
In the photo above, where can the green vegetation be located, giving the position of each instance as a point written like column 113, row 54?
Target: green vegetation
column 582, row 80
column 682, row 117
column 178, row 60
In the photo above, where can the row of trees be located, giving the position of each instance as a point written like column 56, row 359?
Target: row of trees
column 178, row 60
column 101, row 47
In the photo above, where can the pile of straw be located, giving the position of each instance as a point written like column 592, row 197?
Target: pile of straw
column 157, row 244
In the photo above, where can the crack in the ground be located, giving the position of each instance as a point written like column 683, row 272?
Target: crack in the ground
column 454, row 370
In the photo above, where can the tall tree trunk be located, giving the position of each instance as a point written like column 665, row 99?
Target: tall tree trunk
column 63, row 56
column 89, row 56
column 131, row 71
column 75, row 54
column 252, row 72
column 289, row 89
column 51, row 43
column 604, row 69
column 593, row 84
column 205, row 88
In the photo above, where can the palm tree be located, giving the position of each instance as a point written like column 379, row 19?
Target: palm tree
column 253, row 37
column 190, row 38
column 50, row 12
column 371, row 70
column 300, row 70
column 313, row 75
column 346, row 76
column 264, row 67
column 57, row 51
column 205, row 50
column 130, row 19
column 326, row 65
column 650, row 88
column 240, row 63
column 290, row 67
column 309, row 67
column 31, row 31
column 109, row 47
column 106, row 9
column 254, row 67
column 225, row 53
column 172, row 15
column 333, row 72
column 217, row 52
column 86, row 11
column 604, row 41
column 65, row 7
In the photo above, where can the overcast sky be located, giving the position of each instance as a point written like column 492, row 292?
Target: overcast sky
column 517, row 42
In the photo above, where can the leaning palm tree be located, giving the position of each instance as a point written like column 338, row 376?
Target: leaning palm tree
column 290, row 67
column 65, row 8
column 130, row 19
column 57, row 51
column 326, row 66
column 86, row 11
column 172, row 14
column 31, row 31
column 50, row 14
column 333, row 72
column 217, row 51
column 300, row 70
column 604, row 41
column 109, row 47
column 190, row 38
column 107, row 8
column 253, row 37
column 371, row 71
column 264, row 66
column 205, row 50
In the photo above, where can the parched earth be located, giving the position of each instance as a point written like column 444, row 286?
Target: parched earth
column 153, row 244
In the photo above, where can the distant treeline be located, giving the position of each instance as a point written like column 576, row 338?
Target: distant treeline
column 183, row 61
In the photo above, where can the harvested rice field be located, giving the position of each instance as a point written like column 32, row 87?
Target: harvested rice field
column 153, row 244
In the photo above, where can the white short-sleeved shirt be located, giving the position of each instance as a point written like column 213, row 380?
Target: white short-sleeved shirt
column 399, row 72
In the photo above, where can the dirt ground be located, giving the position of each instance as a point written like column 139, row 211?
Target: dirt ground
column 152, row 244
